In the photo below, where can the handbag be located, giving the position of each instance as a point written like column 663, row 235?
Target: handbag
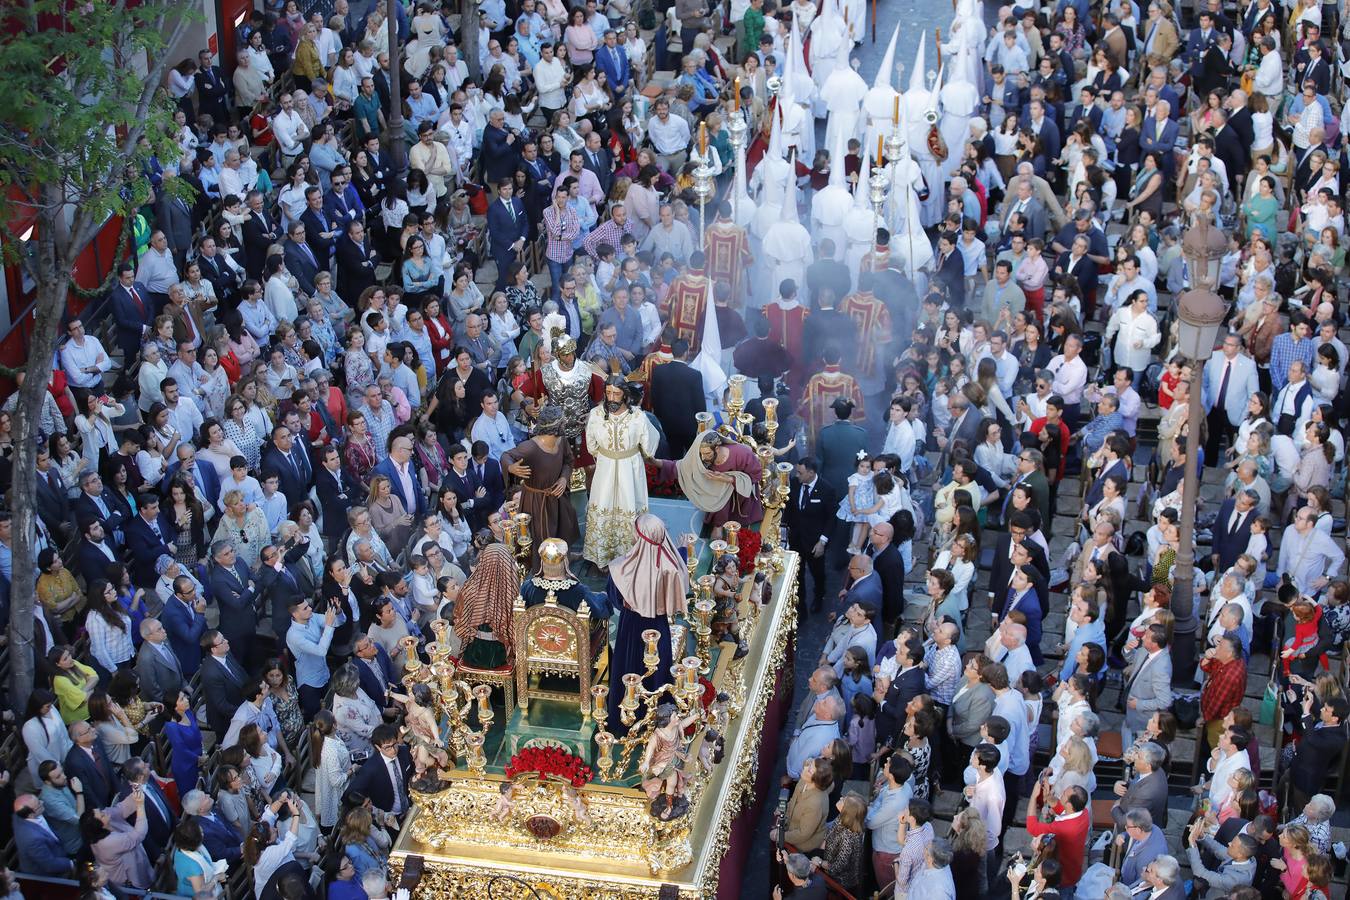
column 1270, row 702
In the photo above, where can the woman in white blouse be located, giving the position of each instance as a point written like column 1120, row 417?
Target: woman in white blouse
column 503, row 327
column 1135, row 331
column 152, row 371
column 95, row 428
column 345, row 80
column 958, row 561
column 44, row 733
column 332, row 768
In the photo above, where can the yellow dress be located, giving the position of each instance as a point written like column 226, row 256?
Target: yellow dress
column 70, row 698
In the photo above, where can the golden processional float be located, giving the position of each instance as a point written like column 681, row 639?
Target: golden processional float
column 543, row 799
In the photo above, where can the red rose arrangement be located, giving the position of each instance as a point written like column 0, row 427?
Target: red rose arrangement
column 550, row 762
column 747, row 544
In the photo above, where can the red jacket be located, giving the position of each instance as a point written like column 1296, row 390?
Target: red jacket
column 1070, row 836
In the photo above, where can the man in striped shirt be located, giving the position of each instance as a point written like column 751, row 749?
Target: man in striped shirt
column 561, row 227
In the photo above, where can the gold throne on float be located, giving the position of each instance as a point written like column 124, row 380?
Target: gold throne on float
column 552, row 640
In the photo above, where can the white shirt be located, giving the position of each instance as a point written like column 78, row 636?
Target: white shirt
column 1070, row 378
column 548, row 80
column 1219, row 789
column 88, row 353
column 670, row 136
column 291, row 132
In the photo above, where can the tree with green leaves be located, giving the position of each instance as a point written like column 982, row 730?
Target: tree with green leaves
column 84, row 109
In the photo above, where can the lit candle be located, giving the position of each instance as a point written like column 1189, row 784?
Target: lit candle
column 770, row 409
column 895, row 110
column 703, row 139
column 691, row 666
column 878, row 156
column 736, row 94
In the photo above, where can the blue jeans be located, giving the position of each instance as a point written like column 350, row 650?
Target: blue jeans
column 555, row 274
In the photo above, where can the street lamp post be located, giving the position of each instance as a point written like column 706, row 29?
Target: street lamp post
column 1200, row 312
column 395, row 88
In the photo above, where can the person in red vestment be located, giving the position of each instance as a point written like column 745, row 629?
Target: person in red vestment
column 787, row 319
column 823, row 389
column 728, row 252
column 873, row 320
column 643, row 373
column 685, row 302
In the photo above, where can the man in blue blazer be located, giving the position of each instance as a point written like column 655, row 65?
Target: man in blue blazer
column 864, row 587
column 95, row 551
column 1042, row 123
column 149, row 536
column 159, row 815
column 291, row 464
column 205, row 477
column 1232, row 528
column 40, row 850
column 236, row 594
column 489, row 473
column 1229, row 382
column 184, row 618
column 321, row 232
column 375, row 670
column 467, row 487
column 337, row 493
column 507, row 225
column 219, row 836
column 133, row 310
column 401, row 470
column 88, row 761
column 613, row 61
column 1159, row 135
column 300, row 259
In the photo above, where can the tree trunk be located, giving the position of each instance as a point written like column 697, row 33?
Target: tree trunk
column 469, row 24
column 51, row 304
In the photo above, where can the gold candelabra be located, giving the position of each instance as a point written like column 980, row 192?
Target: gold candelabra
column 770, row 418
column 773, row 493
column 600, row 706
column 516, row 534
column 691, row 554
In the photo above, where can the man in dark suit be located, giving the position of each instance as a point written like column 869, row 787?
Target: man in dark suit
column 218, row 836
column 224, row 279
column 1113, row 452
column 1232, row 529
column 677, row 396
column 337, row 494
column 384, row 777
column 508, row 228
column 1240, row 118
column 300, row 259
column 50, row 497
column 826, row 273
column 907, row 684
column 291, row 464
column 890, row 568
column 213, row 91
column 469, row 491
column 204, row 478
column 1319, row 752
column 157, row 666
column 1031, row 475
column 133, row 310
column 838, row 444
column 260, row 232
column 399, row 465
column 321, row 232
column 1005, row 559
column 1085, row 108
column 184, row 618
column 949, row 270
column 95, row 552
column 500, row 149
column 149, row 536
column 95, row 502
column 159, row 815
column 809, row 516
column 88, row 762
column 222, row 681
column 1229, row 148
column 40, row 850
column 173, row 215
column 278, row 588
column 234, row 590
column 356, row 260
column 375, row 670
column 1213, row 68
column 1313, row 67
column 488, row 473
column 598, row 160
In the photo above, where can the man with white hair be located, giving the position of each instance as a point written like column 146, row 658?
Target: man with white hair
column 1316, row 817
column 1008, row 645
column 1148, row 790
column 218, row 836
column 1143, row 842
column 934, row 881
column 816, row 733
column 1163, row 875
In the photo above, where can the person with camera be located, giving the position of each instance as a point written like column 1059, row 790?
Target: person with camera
column 118, row 845
column 308, row 640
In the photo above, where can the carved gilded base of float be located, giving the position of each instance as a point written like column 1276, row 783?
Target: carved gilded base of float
column 603, row 841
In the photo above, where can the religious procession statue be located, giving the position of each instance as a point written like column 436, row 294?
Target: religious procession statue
column 620, row 437
column 574, row 387
column 543, row 467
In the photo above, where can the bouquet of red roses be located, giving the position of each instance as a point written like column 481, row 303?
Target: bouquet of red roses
column 550, row 762
column 747, row 548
